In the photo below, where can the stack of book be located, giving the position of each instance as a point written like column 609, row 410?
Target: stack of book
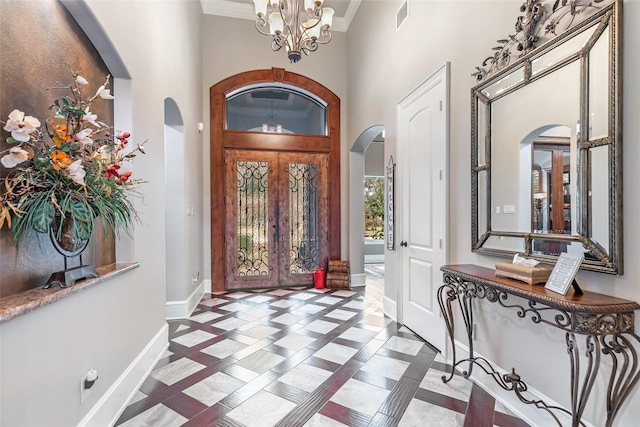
column 338, row 274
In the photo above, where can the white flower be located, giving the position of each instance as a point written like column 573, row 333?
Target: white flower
column 83, row 137
column 104, row 93
column 16, row 156
column 21, row 126
column 81, row 80
column 91, row 118
column 76, row 172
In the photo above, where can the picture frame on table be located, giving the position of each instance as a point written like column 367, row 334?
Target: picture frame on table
column 564, row 272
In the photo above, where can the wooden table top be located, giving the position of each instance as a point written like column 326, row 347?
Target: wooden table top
column 589, row 302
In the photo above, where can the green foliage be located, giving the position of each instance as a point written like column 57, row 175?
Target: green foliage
column 374, row 207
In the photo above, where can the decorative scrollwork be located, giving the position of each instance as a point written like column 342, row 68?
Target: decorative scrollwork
column 491, row 294
column 603, row 324
column 540, row 22
column 625, row 373
column 512, row 382
column 252, row 240
column 304, row 236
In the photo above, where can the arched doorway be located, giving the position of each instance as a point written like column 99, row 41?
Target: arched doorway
column 174, row 164
column 266, row 150
column 356, row 215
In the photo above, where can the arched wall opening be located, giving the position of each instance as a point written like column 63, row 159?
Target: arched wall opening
column 177, row 287
column 356, row 207
column 121, row 78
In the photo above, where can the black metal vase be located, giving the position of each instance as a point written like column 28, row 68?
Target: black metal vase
column 68, row 245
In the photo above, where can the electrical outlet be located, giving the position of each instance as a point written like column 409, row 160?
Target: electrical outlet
column 86, row 383
column 195, row 279
column 84, row 392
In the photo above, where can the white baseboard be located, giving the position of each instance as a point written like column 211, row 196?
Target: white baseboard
column 528, row 413
column 390, row 308
column 359, row 279
column 207, row 286
column 374, row 259
column 183, row 309
column 107, row 410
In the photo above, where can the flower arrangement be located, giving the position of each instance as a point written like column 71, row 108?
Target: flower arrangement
column 70, row 169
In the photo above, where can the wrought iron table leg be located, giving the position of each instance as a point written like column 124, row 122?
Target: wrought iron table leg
column 465, row 300
column 579, row 396
column 447, row 294
column 625, row 372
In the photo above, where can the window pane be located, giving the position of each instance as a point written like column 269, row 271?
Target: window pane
column 276, row 109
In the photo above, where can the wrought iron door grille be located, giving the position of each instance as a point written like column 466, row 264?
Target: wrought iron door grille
column 252, row 229
column 303, row 218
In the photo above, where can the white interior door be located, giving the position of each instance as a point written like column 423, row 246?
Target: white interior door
column 422, row 144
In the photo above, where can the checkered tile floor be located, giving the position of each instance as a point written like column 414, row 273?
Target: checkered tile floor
column 303, row 357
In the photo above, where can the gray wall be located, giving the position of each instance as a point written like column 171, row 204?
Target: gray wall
column 384, row 66
column 45, row 353
column 374, row 160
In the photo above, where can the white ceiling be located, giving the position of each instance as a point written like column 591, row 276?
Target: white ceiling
column 345, row 10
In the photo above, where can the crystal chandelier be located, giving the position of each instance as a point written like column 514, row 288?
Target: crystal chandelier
column 297, row 25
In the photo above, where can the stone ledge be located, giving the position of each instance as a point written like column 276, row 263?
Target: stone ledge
column 24, row 302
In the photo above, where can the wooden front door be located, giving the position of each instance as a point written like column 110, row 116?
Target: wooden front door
column 321, row 138
column 276, row 206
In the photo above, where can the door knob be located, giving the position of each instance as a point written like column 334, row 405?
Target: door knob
column 403, row 243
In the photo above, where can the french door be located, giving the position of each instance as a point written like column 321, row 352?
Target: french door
column 276, row 218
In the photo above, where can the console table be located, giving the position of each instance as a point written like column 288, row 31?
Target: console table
column 606, row 322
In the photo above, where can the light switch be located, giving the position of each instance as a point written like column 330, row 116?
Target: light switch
column 189, row 210
column 498, row 209
column 509, row 209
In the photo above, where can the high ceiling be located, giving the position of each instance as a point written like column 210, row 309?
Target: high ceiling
column 345, row 10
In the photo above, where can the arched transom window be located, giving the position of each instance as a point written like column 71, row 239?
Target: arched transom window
column 276, row 108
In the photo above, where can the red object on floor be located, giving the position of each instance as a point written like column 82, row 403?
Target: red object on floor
column 318, row 278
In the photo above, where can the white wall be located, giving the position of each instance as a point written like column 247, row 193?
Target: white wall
column 176, row 275
column 374, row 160
column 252, row 51
column 44, row 353
column 385, row 65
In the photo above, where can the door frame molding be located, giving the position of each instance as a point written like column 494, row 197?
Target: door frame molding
column 222, row 139
column 441, row 75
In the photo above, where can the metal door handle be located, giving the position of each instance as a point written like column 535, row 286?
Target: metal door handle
column 403, row 243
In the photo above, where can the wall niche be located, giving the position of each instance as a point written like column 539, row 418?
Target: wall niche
column 40, row 43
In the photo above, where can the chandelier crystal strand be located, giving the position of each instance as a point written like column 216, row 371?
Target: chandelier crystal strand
column 299, row 26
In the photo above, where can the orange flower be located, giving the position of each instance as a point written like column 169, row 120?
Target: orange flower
column 60, row 134
column 60, row 160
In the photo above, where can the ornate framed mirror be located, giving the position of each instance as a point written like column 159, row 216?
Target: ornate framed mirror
column 546, row 137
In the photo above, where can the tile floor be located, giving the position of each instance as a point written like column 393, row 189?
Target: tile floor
column 303, row 357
